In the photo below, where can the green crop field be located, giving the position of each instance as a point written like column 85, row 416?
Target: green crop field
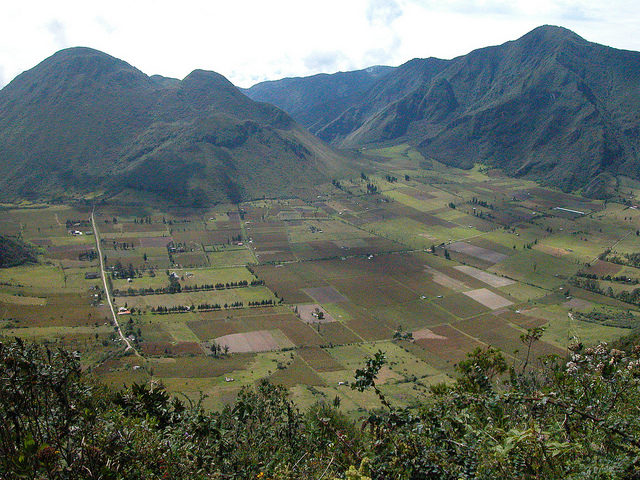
column 365, row 259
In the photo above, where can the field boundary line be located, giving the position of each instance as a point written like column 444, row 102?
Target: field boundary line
column 612, row 246
column 482, row 342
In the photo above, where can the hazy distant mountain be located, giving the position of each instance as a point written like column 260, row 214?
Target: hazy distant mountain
column 549, row 105
column 85, row 121
column 314, row 101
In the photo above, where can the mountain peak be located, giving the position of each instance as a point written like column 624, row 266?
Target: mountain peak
column 80, row 64
column 206, row 78
column 84, row 120
column 85, row 60
column 80, row 51
column 551, row 34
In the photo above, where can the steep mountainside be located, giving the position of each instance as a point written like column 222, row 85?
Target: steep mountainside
column 317, row 100
column 85, row 121
column 549, row 105
column 393, row 87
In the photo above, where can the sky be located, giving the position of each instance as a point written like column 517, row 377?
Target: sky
column 250, row 41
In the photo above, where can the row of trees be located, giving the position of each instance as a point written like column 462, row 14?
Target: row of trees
column 175, row 287
column 632, row 297
column 213, row 306
column 619, row 319
column 482, row 203
column 173, row 309
column 608, row 278
column 628, row 259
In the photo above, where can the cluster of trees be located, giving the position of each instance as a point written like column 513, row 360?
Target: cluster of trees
column 587, row 283
column 482, row 203
column 481, row 214
column 144, row 220
column 131, row 331
column 391, row 178
column 120, row 271
column 400, row 334
column 628, row 259
column 88, row 255
column 371, row 188
column 176, row 247
column 174, row 284
column 218, row 351
column 122, row 245
column 632, row 297
column 14, row 252
column 567, row 418
column 619, row 319
column 339, row 186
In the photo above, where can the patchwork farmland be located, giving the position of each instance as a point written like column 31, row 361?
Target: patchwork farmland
column 436, row 262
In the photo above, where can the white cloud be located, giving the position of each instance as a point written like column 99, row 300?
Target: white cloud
column 324, row 61
column 383, row 12
column 253, row 40
column 58, row 33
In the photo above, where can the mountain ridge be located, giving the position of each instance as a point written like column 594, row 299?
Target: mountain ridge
column 549, row 105
column 83, row 120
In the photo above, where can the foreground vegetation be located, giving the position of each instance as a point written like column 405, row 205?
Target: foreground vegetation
column 575, row 419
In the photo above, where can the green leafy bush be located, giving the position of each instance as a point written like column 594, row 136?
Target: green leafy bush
column 558, row 418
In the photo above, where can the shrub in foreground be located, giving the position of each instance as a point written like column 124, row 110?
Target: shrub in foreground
column 569, row 418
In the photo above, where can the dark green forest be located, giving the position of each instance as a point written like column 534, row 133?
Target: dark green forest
column 569, row 418
column 13, row 252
